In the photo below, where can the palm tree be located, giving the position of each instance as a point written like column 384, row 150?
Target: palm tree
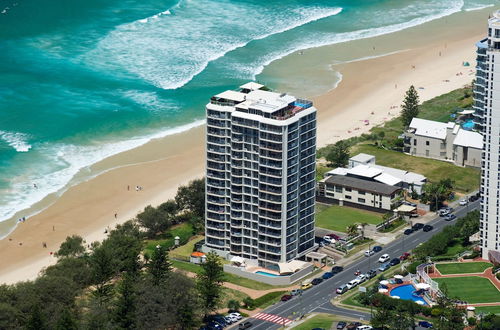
column 352, row 230
column 363, row 225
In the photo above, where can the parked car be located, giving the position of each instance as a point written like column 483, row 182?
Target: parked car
column 361, row 278
column 232, row 318
column 404, row 256
column 237, row 315
column 229, row 319
column 353, row 325
column 394, row 262
column 463, row 202
column 377, row 248
column 245, row 325
column 443, row 212
column 450, row 217
column 317, row 281
column 410, row 203
column 425, row 324
column 334, row 236
column 214, row 325
column 286, row 297
column 384, row 267
column 328, row 239
column 417, row 226
column 296, row 292
column 352, row 284
column 428, row 228
column 414, row 215
column 341, row 325
column 369, row 253
column 371, row 273
column 337, row 269
column 384, row 258
column 364, row 327
column 306, row 286
column 408, row 231
column 473, row 198
column 327, row 275
column 342, row 289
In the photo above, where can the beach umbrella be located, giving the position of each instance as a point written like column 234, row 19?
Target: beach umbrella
column 384, row 282
column 396, row 297
column 420, row 302
column 422, row 286
column 383, row 290
column 399, row 277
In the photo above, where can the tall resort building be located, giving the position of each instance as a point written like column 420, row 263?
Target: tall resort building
column 260, row 175
column 487, row 119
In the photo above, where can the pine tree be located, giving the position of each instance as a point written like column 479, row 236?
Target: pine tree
column 125, row 308
column 66, row 321
column 36, row 320
column 409, row 108
column 159, row 266
column 209, row 282
column 338, row 156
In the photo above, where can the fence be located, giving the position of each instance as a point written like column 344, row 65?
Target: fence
column 422, row 275
column 273, row 280
column 387, row 222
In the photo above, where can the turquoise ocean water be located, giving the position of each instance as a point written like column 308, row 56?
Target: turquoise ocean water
column 83, row 80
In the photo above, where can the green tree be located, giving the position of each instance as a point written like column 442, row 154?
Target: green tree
column 338, row 156
column 36, row 321
column 352, row 230
column 248, row 302
column 102, row 270
column 233, row 304
column 209, row 282
column 154, row 221
column 409, row 108
column 71, row 247
column 159, row 266
column 191, row 198
column 125, row 307
column 66, row 321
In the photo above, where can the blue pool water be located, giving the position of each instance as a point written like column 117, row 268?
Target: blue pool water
column 468, row 125
column 406, row 292
column 266, row 273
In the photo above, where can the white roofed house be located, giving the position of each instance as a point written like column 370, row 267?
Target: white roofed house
column 443, row 141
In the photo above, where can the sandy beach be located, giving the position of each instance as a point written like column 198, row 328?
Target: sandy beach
column 368, row 90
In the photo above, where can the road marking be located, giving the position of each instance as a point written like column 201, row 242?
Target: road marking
column 273, row 318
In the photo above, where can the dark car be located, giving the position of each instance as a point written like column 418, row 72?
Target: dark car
column 428, row 228
column 327, row 275
column 377, row 248
column 245, row 325
column 353, row 325
column 337, row 269
column 214, row 325
column 417, row 226
column 450, row 217
column 341, row 325
column 371, row 273
column 384, row 267
column 425, row 324
column 286, row 297
column 317, row 281
column 394, row 262
column 408, row 231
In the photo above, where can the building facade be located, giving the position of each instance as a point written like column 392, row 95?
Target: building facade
column 487, row 106
column 260, row 175
column 444, row 141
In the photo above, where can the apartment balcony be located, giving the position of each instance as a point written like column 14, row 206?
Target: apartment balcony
column 269, row 249
column 216, row 132
column 216, row 200
column 271, row 146
column 216, row 157
column 214, row 233
column 271, row 164
column 217, row 123
column 269, row 224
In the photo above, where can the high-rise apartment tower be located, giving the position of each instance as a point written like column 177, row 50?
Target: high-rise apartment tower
column 260, row 178
column 487, row 119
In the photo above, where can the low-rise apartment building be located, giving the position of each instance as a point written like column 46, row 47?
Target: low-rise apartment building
column 443, row 141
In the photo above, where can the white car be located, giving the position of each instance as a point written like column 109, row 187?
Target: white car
column 384, row 258
column 361, row 278
column 352, row 284
column 463, row 202
column 236, row 315
column 369, row 253
column 329, row 240
column 364, row 327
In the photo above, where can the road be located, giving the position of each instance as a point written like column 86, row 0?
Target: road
column 317, row 299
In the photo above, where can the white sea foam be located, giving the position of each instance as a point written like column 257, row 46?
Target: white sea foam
column 18, row 141
column 71, row 160
column 169, row 50
column 325, row 39
column 479, row 7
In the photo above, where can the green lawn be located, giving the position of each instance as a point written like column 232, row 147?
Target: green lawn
column 462, row 267
column 268, row 299
column 488, row 310
column 238, row 280
column 229, row 294
column 184, row 251
column 183, row 230
column 466, row 179
column 324, row 321
column 339, row 217
column 472, row 289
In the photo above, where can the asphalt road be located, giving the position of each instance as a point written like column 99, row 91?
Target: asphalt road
column 317, row 299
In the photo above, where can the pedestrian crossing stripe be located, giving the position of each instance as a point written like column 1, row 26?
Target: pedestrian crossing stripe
column 273, row 318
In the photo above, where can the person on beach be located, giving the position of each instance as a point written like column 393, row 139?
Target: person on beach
column 128, row 187
column 116, row 215
column 35, row 186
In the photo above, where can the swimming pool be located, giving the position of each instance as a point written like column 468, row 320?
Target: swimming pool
column 406, row 292
column 266, row 273
column 468, row 125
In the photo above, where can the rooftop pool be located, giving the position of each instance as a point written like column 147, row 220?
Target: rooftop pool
column 407, row 292
column 468, row 125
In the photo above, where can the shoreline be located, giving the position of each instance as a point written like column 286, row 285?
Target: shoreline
column 89, row 207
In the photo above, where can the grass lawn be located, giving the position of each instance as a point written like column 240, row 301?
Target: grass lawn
column 184, row 251
column 339, row 217
column 183, row 230
column 462, row 267
column 466, row 179
column 323, row 321
column 472, row 289
column 268, row 299
column 238, row 280
column 229, row 294
column 488, row 310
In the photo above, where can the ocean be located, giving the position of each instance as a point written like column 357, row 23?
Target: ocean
column 84, row 80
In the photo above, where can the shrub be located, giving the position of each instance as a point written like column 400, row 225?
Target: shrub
column 436, row 312
column 471, row 320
